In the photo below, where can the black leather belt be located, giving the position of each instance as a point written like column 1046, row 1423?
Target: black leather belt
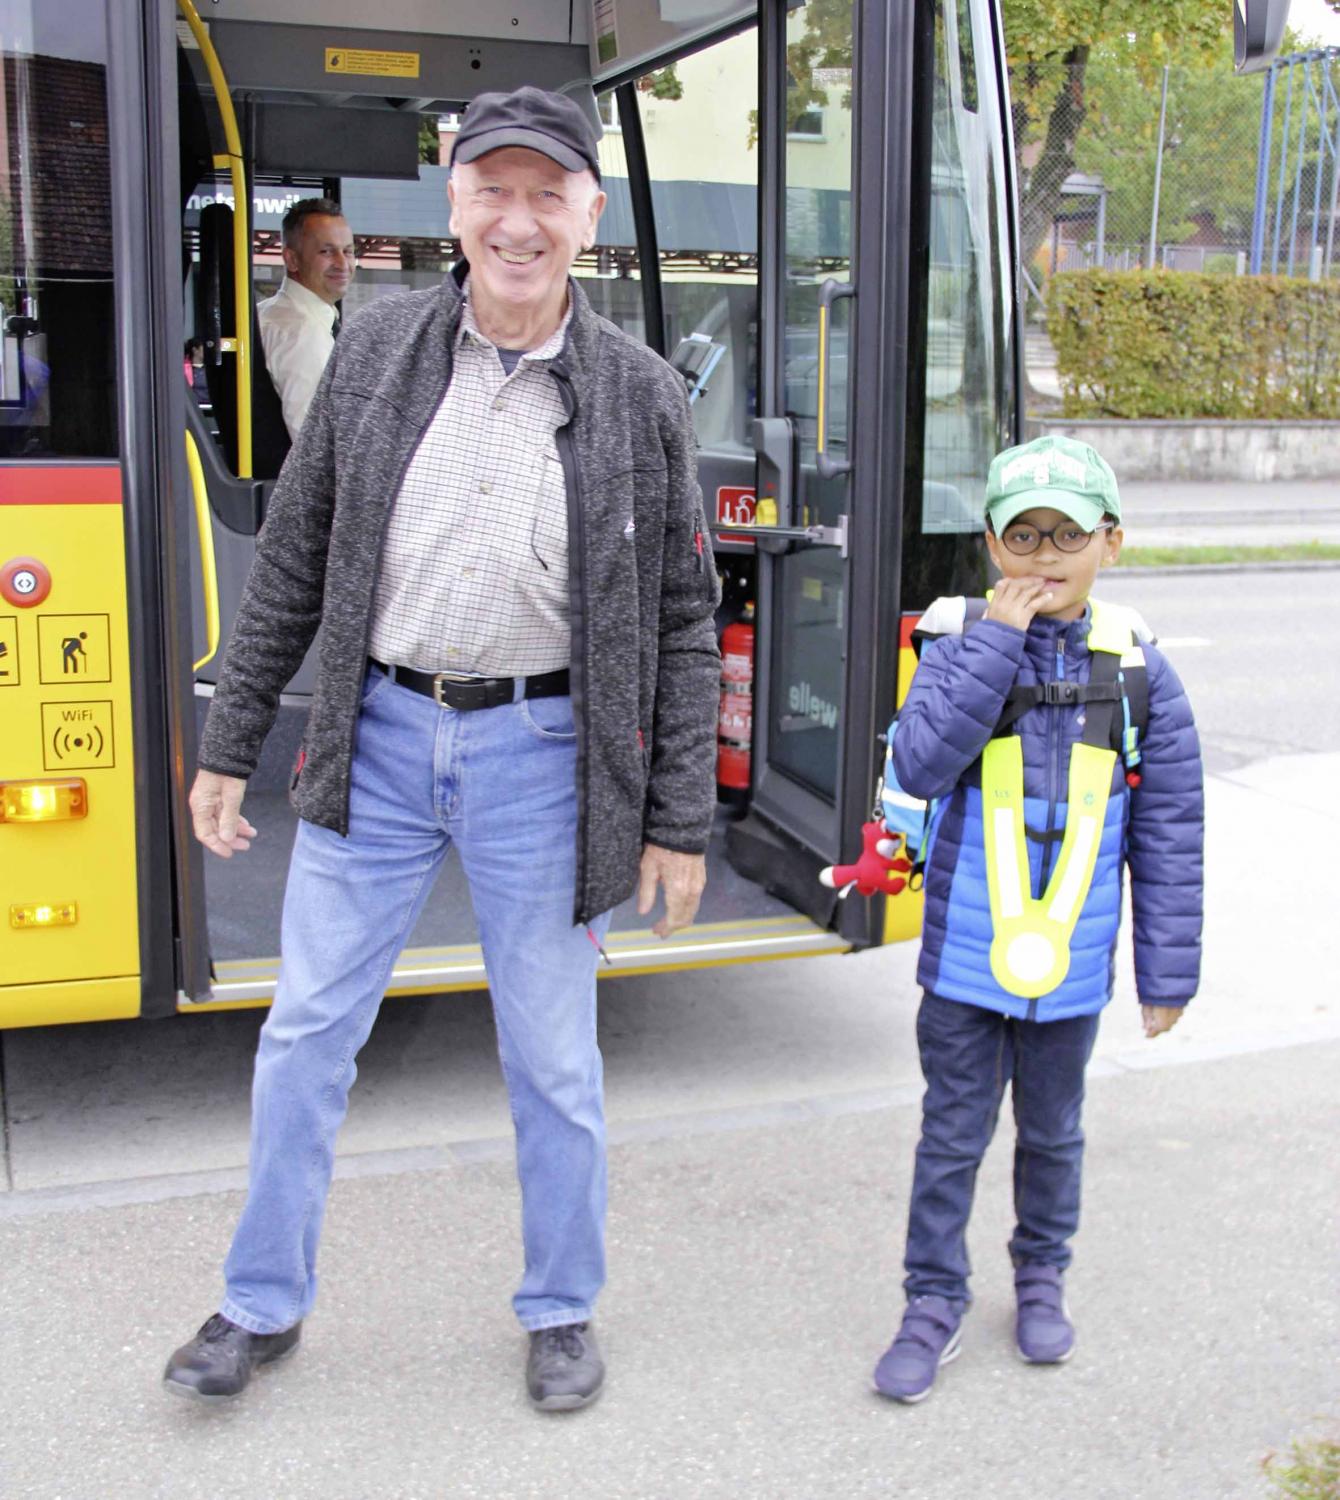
column 452, row 690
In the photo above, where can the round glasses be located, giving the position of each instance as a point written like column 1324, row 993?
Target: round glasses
column 1021, row 538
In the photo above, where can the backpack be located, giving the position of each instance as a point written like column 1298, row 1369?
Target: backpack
column 1122, row 692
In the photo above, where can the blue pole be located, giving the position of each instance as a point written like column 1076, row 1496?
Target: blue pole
column 1323, row 141
column 1284, row 168
column 1335, row 172
column 1302, row 157
column 1263, row 172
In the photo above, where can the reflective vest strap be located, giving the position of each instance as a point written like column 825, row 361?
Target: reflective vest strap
column 1007, row 876
column 1112, row 627
column 1030, row 947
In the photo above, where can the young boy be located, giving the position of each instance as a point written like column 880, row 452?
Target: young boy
column 1012, row 725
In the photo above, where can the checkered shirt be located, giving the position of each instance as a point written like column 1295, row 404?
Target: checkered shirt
column 474, row 567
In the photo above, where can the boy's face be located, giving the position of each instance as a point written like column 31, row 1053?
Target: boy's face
column 1068, row 575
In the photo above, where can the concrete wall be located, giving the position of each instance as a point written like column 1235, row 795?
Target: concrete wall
column 1206, row 449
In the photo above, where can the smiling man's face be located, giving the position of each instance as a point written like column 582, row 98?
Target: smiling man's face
column 522, row 220
column 323, row 260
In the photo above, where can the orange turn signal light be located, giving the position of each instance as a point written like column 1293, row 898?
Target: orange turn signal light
column 44, row 914
column 43, row 801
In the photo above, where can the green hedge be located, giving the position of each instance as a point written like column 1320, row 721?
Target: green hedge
column 1179, row 344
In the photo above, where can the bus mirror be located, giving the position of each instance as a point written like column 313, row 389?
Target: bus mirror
column 1258, row 30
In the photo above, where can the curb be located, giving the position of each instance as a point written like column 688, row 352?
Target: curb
column 1298, row 516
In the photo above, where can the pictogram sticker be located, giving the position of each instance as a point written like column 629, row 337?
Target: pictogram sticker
column 9, row 651
column 735, row 507
column 78, row 736
column 74, row 648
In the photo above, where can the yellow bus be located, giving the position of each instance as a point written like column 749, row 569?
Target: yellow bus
column 811, row 216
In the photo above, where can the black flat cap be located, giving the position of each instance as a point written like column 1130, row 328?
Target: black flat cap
column 534, row 118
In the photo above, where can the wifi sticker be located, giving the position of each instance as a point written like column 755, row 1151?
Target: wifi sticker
column 77, row 736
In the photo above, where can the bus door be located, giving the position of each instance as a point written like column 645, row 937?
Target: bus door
column 887, row 379
column 89, row 699
column 828, row 437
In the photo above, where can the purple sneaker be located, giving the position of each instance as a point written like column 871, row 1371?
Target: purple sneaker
column 1042, row 1330
column 929, row 1337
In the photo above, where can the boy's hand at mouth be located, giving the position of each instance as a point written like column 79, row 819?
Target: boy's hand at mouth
column 1015, row 601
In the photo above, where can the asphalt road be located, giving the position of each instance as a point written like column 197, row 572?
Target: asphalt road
column 763, row 1119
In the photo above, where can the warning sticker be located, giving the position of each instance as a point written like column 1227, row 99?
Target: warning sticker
column 78, row 736
column 74, row 648
column 372, row 64
column 9, row 651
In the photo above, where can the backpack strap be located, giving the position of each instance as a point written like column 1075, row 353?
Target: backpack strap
column 947, row 615
column 1115, row 633
column 1116, row 696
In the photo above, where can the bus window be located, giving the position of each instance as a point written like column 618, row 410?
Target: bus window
column 969, row 383
column 611, row 274
column 806, row 715
column 706, row 207
column 57, row 362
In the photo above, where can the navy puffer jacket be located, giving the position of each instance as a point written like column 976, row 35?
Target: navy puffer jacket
column 956, row 699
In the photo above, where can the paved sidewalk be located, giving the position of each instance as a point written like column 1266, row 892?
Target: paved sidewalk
column 755, row 1283
column 754, row 1267
column 1181, row 513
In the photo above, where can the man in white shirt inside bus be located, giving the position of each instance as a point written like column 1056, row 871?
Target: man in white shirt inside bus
column 299, row 323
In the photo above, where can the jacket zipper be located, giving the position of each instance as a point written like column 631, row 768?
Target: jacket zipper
column 1053, row 749
column 577, row 594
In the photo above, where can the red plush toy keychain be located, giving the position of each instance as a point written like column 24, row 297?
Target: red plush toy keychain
column 882, row 870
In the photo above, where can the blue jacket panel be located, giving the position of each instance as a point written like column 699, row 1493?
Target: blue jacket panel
column 1156, row 831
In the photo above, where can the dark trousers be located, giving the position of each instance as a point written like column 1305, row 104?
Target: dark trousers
column 968, row 1055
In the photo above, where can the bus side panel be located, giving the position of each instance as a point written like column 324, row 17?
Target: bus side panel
column 903, row 913
column 69, row 932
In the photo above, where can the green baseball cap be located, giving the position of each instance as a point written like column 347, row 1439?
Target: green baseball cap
column 1056, row 472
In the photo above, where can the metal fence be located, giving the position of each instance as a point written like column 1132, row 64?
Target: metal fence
column 1298, row 167
column 1162, row 170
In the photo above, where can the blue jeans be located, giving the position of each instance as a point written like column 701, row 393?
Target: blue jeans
column 968, row 1055
column 499, row 784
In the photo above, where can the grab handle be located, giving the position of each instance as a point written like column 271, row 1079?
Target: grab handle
column 829, row 293
column 209, row 576
column 231, row 160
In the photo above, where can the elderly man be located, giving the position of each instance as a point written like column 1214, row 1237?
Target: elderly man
column 299, row 323
column 494, row 515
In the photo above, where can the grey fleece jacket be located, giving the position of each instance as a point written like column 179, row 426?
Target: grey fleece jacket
column 645, row 665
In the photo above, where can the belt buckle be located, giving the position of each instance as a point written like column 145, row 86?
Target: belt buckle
column 460, row 678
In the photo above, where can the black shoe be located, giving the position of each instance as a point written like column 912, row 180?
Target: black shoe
column 217, row 1364
column 564, row 1369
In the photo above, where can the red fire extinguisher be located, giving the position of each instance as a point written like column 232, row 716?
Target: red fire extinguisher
column 735, row 722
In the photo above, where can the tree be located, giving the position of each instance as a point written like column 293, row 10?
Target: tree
column 1049, row 44
column 430, row 140
column 825, row 43
column 1209, row 152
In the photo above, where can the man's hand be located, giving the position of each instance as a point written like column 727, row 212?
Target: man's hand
column 1014, row 601
column 1160, row 1018
column 682, row 875
column 216, row 813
